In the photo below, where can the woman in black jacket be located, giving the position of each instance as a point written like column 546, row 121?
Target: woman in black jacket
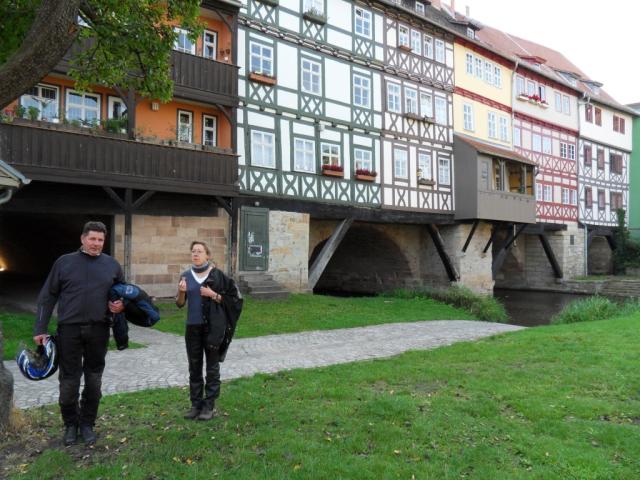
column 214, row 306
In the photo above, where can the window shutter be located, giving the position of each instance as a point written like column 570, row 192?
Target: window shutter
column 588, row 198
column 601, row 159
column 622, row 125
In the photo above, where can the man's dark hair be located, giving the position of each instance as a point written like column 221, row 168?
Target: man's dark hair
column 94, row 227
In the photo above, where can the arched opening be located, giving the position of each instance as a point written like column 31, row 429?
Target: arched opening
column 600, row 258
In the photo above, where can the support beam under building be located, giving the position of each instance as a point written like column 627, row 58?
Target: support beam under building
column 329, row 248
column 501, row 255
column 473, row 230
column 452, row 273
column 557, row 271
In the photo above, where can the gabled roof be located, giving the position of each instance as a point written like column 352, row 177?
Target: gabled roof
column 493, row 150
column 10, row 177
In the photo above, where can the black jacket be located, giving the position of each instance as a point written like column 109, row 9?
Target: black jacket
column 79, row 284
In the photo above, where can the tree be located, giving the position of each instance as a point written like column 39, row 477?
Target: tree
column 126, row 44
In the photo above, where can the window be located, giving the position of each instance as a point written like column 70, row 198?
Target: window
column 403, row 36
column 471, row 33
column 520, row 85
column 618, row 124
column 363, row 22
column 400, row 163
column 428, row 46
column 565, row 195
column 410, row 101
column 547, row 193
column 517, row 137
column 316, row 6
column 536, row 142
column 440, row 51
column 574, row 197
column 304, row 159
column 361, row 91
column 185, row 126
column 531, row 88
column 567, row 150
column 600, row 157
column 362, row 159
column 83, row 106
column 183, row 43
column 441, row 110
column 538, row 191
column 263, row 149
column 116, row 108
column 420, row 8
column 615, row 200
column 209, row 130
column 615, row 163
column 566, row 106
column 416, row 42
column 542, row 92
column 546, row 145
column 444, row 171
column 469, row 64
column 558, row 101
column 261, row 59
column 310, row 76
column 602, row 200
column 488, row 73
column 598, row 113
column 588, row 197
column 424, row 166
column 478, row 67
column 330, row 154
column 587, row 155
column 426, row 105
column 393, row 97
column 504, row 132
column 588, row 113
column 468, row 116
column 45, row 99
column 492, row 128
column 209, row 44
column 497, row 77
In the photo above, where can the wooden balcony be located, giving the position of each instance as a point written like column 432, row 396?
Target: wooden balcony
column 53, row 153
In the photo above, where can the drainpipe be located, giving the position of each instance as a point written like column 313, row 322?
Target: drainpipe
column 513, row 102
column 587, row 101
column 6, row 196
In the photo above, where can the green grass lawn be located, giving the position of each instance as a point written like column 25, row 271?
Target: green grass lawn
column 18, row 328
column 555, row 402
column 303, row 312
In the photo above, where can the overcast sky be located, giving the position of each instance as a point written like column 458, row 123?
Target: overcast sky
column 600, row 37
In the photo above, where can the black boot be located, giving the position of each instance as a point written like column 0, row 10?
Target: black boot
column 88, row 434
column 193, row 413
column 70, row 435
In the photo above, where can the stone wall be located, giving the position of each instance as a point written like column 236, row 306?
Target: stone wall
column 600, row 257
column 160, row 248
column 288, row 249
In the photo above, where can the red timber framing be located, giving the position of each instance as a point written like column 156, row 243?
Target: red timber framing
column 484, row 100
column 555, row 173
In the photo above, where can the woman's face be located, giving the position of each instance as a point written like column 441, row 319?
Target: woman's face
column 199, row 255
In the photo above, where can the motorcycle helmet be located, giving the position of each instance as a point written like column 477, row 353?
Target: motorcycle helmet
column 41, row 363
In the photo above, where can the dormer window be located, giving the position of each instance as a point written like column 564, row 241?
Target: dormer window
column 471, row 33
column 420, row 8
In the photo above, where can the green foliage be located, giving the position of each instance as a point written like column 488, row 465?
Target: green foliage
column 594, row 308
column 33, row 113
column 115, row 125
column 16, row 19
column 483, row 307
column 627, row 251
column 19, row 111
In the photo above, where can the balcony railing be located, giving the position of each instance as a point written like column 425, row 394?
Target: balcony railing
column 54, row 153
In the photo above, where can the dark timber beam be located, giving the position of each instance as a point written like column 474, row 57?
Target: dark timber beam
column 557, row 271
column 473, row 230
column 498, row 259
column 321, row 261
column 494, row 232
column 226, row 204
column 446, row 260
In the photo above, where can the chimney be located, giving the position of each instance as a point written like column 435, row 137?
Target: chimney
column 436, row 4
column 453, row 6
column 467, row 10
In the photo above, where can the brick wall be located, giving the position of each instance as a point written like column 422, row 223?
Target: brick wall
column 288, row 249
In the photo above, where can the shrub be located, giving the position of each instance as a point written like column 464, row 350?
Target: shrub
column 484, row 307
column 594, row 308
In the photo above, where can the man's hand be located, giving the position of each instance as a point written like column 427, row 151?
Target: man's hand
column 39, row 339
column 116, row 307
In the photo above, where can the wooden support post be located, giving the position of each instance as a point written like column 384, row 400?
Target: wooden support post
column 128, row 220
column 226, row 204
column 557, row 271
column 473, row 230
column 494, row 231
column 233, row 248
column 452, row 273
column 331, row 245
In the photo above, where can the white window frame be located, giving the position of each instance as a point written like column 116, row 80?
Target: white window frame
column 427, row 43
column 363, row 22
column 180, row 130
column 542, row 92
column 363, row 159
column 538, row 191
column 411, row 100
column 547, row 193
column 566, row 105
column 394, row 96
column 425, row 167
column 420, row 8
column 263, row 145
column 213, row 129
column 536, row 142
column 467, row 109
column 517, row 137
column 441, row 110
column 111, row 102
column 426, row 105
column 520, row 85
column 83, row 107
column 444, row 171
column 492, row 125
column 503, row 125
column 469, row 64
column 440, row 51
column 304, row 155
column 361, row 91
column 478, row 67
column 400, row 163
column 183, row 43
column 213, row 44
column 262, row 60
column 546, row 145
column 574, row 197
column 564, row 195
column 41, row 103
column 314, row 80
column 497, row 77
column 558, row 101
column 531, row 87
column 330, row 152
column 416, row 42
column 403, row 36
column 488, row 73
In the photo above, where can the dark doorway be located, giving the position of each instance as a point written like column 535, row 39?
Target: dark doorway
column 30, row 243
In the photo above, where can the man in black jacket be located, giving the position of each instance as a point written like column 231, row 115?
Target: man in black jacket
column 79, row 283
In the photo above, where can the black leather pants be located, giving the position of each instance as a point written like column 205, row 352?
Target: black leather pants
column 202, row 395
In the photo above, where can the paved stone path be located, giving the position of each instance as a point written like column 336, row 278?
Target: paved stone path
column 163, row 362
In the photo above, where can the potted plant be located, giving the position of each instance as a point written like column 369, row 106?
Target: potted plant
column 315, row 16
column 33, row 113
column 423, row 180
column 333, row 170
column 404, row 47
column 366, row 175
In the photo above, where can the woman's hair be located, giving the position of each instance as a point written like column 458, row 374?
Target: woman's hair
column 204, row 245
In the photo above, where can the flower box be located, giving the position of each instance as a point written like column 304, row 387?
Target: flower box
column 413, row 116
column 523, row 97
column 365, row 178
column 544, row 104
column 273, row 3
column 426, row 181
column 315, row 17
column 406, row 48
column 260, row 78
column 332, row 173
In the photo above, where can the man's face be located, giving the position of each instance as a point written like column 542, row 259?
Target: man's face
column 92, row 243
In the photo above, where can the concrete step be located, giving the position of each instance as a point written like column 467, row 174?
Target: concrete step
column 268, row 287
column 278, row 295
column 254, row 276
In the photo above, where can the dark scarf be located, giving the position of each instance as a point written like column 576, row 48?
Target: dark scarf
column 201, row 269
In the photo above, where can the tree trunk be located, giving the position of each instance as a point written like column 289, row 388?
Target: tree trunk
column 53, row 31
column 6, row 389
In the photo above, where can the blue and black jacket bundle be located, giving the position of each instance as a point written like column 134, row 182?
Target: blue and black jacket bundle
column 138, row 309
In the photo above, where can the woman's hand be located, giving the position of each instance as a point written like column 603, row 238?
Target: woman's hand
column 182, row 285
column 207, row 292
